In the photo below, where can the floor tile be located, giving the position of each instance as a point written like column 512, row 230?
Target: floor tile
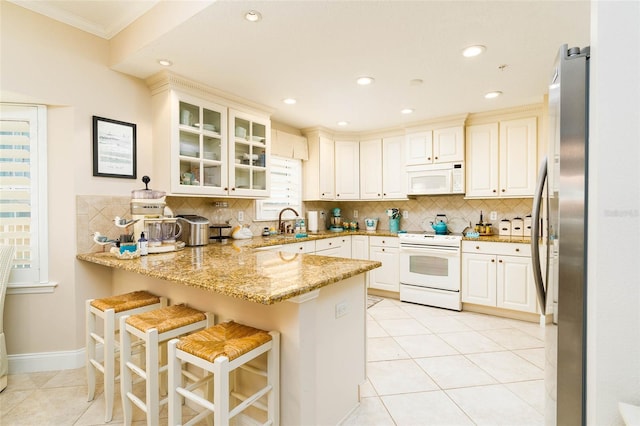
column 367, row 390
column 386, row 312
column 484, row 322
column 513, row 338
column 534, row 356
column 403, row 327
column 531, row 392
column 425, row 345
column 10, row 398
column 468, row 342
column 402, row 376
column 65, row 378
column 384, row 348
column 495, row 405
column 443, row 324
column 506, row 367
column 454, row 372
column 59, row 406
column 425, row 408
column 370, row 412
column 24, row 381
column 374, row 329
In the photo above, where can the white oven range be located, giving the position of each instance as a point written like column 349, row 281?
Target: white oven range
column 430, row 269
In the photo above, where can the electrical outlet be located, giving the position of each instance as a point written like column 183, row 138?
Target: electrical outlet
column 493, row 215
column 355, row 214
column 405, row 214
column 342, row 309
column 240, row 216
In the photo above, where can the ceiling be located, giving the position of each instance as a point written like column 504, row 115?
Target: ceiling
column 313, row 51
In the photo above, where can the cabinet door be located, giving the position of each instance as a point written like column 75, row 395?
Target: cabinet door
column 448, row 144
column 394, row 176
column 371, row 178
column 347, row 170
column 515, row 287
column 360, row 247
column 249, row 153
column 482, row 160
column 199, row 163
column 327, row 168
column 419, row 148
column 518, row 148
column 387, row 277
column 479, row 279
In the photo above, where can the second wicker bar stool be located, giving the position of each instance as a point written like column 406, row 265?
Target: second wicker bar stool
column 110, row 309
column 154, row 329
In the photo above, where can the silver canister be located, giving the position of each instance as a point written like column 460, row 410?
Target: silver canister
column 195, row 230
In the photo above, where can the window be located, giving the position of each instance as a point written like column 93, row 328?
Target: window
column 286, row 188
column 23, row 195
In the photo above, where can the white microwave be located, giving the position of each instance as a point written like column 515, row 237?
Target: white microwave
column 445, row 178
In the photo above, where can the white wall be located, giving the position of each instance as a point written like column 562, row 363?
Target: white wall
column 613, row 318
column 47, row 62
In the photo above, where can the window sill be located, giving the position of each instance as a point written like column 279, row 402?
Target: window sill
column 31, row 288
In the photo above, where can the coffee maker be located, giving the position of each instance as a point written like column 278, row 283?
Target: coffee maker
column 336, row 221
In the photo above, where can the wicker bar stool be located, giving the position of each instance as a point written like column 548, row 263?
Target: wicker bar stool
column 220, row 350
column 110, row 309
column 154, row 329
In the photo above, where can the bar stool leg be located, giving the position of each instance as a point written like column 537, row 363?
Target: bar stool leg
column 152, row 382
column 126, row 378
column 273, row 378
column 221, row 390
column 175, row 381
column 109, row 363
column 91, row 351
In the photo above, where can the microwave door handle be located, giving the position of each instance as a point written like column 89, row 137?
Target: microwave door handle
column 535, row 238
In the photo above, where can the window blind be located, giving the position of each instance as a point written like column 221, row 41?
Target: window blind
column 286, row 188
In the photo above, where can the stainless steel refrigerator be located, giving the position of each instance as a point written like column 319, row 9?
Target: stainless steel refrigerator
column 560, row 255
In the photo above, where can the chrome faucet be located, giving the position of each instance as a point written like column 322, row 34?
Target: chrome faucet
column 280, row 224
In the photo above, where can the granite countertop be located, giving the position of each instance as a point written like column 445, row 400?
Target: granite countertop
column 236, row 270
column 279, row 239
column 499, row 239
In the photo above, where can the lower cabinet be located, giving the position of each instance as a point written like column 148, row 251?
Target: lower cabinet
column 498, row 275
column 301, row 247
column 387, row 251
column 336, row 247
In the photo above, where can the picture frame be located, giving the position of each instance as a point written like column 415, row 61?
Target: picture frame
column 114, row 148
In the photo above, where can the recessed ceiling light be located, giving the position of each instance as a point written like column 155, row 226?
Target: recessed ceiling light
column 492, row 95
column 165, row 62
column 472, row 51
column 406, row 110
column 289, row 101
column 343, row 123
column 253, row 16
column 364, row 81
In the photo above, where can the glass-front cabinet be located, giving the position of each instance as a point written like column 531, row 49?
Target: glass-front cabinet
column 249, row 151
column 202, row 147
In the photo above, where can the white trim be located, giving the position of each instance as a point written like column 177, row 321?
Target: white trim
column 47, row 361
column 31, row 288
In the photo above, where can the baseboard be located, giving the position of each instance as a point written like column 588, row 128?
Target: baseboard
column 46, row 361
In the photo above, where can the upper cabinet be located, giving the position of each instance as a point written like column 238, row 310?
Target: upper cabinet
column 382, row 174
column 318, row 171
column 202, row 146
column 443, row 145
column 501, row 158
column 347, row 170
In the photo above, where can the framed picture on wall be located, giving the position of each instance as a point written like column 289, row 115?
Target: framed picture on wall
column 114, row 148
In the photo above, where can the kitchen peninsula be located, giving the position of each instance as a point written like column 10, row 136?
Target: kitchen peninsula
column 317, row 303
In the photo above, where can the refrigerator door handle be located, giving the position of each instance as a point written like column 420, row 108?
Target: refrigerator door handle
column 535, row 237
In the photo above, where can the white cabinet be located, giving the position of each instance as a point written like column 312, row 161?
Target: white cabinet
column 360, row 247
column 336, row 247
column 301, row 247
column 499, row 275
column 195, row 151
column 382, row 174
column 347, row 170
column 444, row 145
column 318, row 178
column 387, row 251
column 501, row 158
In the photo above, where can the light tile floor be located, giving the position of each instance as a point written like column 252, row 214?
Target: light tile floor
column 429, row 366
column 426, row 366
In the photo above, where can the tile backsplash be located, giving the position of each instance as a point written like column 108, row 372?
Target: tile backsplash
column 96, row 213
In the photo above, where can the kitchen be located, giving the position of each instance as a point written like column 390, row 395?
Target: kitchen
column 77, row 98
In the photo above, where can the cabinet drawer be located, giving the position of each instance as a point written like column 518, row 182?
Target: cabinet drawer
column 508, row 249
column 303, row 247
column 384, row 241
column 328, row 243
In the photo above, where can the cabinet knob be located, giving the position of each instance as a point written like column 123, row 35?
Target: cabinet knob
column 429, row 158
column 504, row 190
column 226, row 188
column 382, row 249
column 233, row 189
column 379, row 194
column 436, row 158
column 477, row 247
column 500, row 261
column 494, row 191
column 517, row 249
column 330, row 243
column 493, row 260
column 299, row 248
column 383, row 241
column 337, row 195
column 323, row 194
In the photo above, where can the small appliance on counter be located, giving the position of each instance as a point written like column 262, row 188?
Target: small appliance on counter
column 371, row 224
column 336, row 221
column 315, row 221
column 195, row 230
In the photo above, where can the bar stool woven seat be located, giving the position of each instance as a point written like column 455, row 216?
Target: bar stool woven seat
column 154, row 329
column 222, row 350
column 110, row 309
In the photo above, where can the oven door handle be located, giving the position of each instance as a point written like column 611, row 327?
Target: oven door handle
column 452, row 251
